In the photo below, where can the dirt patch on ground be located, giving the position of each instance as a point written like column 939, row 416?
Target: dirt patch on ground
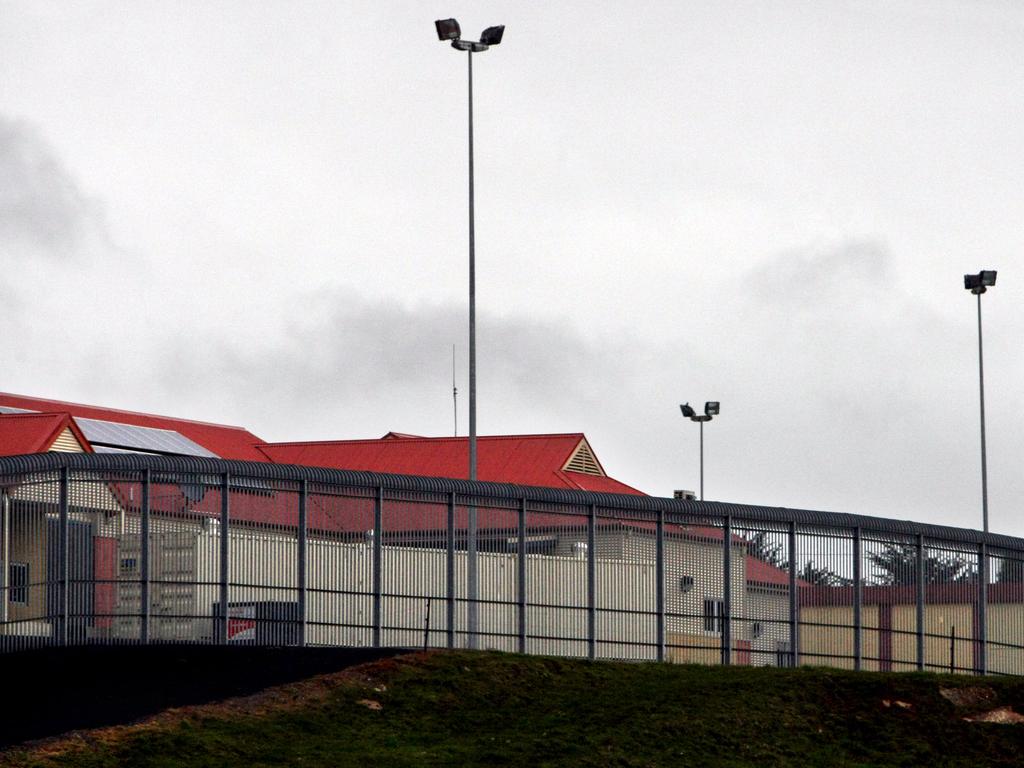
column 969, row 696
column 1003, row 715
column 301, row 694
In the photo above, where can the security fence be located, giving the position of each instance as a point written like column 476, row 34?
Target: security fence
column 146, row 549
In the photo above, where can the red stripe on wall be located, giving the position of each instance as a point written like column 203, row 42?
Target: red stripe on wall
column 105, row 552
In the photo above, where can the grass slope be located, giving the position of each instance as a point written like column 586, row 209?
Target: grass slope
column 462, row 708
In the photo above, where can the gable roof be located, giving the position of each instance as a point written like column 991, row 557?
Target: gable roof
column 538, row 460
column 225, row 441
column 24, row 433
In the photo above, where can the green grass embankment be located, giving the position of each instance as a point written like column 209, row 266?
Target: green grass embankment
column 464, row 708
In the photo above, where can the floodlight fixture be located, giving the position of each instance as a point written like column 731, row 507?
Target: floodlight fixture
column 687, row 410
column 492, row 35
column 447, row 29
column 979, row 283
column 711, row 408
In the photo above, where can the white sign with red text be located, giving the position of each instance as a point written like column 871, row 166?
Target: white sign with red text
column 241, row 623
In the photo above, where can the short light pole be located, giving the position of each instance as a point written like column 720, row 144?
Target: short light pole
column 448, row 29
column 978, row 284
column 711, row 409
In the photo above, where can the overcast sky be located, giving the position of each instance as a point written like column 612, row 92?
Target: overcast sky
column 255, row 213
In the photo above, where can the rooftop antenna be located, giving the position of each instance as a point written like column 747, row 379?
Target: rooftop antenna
column 455, row 395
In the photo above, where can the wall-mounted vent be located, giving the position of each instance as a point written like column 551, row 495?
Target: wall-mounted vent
column 66, row 442
column 583, row 460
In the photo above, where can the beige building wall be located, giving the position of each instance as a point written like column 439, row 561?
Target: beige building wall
column 832, row 643
column 28, row 546
column 904, row 638
column 1005, row 625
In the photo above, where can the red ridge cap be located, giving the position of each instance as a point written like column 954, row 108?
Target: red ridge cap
column 418, row 439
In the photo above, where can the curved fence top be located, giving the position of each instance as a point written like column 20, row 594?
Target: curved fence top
column 108, row 462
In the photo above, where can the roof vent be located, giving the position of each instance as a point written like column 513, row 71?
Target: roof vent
column 583, row 460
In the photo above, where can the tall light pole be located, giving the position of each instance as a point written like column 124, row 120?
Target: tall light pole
column 448, row 29
column 711, row 409
column 978, row 284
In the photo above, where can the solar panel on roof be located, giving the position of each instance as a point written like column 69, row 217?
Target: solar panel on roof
column 132, row 437
column 112, row 449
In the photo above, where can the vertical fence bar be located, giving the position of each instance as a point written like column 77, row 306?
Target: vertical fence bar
column 794, row 628
column 857, row 595
column 63, row 565
column 301, row 559
column 521, row 575
column 225, row 553
column 144, row 572
column 450, row 570
column 982, row 630
column 659, row 584
column 5, row 554
column 591, row 583
column 920, row 601
column 378, row 531
column 727, row 590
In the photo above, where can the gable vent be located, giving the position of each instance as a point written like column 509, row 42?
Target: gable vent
column 66, row 442
column 582, row 460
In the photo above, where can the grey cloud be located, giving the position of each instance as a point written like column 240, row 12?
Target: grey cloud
column 818, row 411
column 824, row 270
column 361, row 359
column 41, row 206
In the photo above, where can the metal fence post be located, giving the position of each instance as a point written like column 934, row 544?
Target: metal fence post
column 521, row 575
column 5, row 554
column 144, row 550
column 794, row 618
column 659, row 585
column 857, row 624
column 920, row 601
column 302, row 574
column 727, row 591
column 225, row 553
column 450, row 571
column 591, row 584
column 378, row 529
column 982, row 629
column 64, row 569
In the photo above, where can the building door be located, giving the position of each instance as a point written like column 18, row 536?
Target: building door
column 80, row 577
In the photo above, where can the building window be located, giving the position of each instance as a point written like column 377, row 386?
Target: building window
column 17, row 583
column 714, row 615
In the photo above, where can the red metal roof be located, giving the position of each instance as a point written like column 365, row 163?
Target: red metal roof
column 521, row 459
column 760, row 572
column 226, row 441
column 535, row 460
column 23, row 433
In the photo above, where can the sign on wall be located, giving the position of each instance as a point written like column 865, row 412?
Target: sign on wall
column 242, row 623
